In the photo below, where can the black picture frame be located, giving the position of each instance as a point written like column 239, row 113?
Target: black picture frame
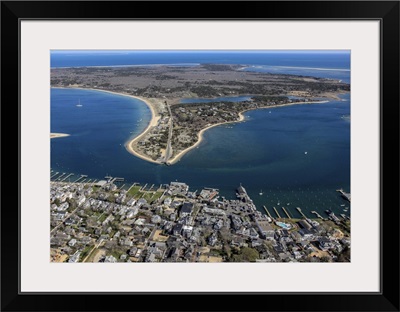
column 385, row 300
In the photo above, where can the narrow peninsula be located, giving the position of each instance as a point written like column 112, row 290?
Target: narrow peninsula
column 175, row 127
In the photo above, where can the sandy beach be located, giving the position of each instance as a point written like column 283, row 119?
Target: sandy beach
column 153, row 122
column 58, row 135
column 241, row 118
column 155, row 118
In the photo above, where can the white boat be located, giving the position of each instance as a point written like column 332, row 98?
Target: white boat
column 305, row 153
column 79, row 103
column 261, row 192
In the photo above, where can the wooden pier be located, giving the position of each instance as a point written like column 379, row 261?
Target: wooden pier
column 299, row 210
column 66, row 177
column 344, row 194
column 81, row 177
column 277, row 213
column 317, row 214
column 287, row 213
column 60, row 176
column 266, row 210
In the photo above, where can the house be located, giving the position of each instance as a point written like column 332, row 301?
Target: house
column 177, row 229
column 75, row 257
column 212, row 239
column 265, row 228
column 187, row 230
column 133, row 251
column 304, row 224
column 156, row 219
column 168, row 201
column 325, row 243
column 110, row 259
column 186, row 209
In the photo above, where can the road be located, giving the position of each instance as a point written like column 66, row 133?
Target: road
column 168, row 150
column 62, row 221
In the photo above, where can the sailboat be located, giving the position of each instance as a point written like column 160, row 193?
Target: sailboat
column 261, row 192
column 79, row 103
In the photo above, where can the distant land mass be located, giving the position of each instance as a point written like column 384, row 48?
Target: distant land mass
column 177, row 127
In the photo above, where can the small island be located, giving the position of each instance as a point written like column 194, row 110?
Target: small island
column 175, row 127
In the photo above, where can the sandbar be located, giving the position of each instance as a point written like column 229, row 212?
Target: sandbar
column 58, row 135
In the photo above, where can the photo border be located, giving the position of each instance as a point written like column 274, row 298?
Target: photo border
column 388, row 12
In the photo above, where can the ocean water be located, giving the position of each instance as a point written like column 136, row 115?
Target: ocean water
column 297, row 156
column 319, row 59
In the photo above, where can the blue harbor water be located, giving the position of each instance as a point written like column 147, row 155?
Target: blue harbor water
column 218, row 99
column 296, row 156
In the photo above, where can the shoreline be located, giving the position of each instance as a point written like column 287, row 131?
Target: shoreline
column 153, row 121
column 241, row 118
column 155, row 117
column 55, row 135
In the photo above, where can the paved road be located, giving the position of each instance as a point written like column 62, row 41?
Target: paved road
column 168, row 151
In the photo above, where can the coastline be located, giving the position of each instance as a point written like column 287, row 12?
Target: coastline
column 155, row 117
column 241, row 118
column 55, row 135
column 153, row 121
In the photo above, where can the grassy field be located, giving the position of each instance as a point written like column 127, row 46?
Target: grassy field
column 135, row 192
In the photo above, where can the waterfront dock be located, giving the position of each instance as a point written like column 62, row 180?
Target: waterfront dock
column 51, row 177
column 81, row 177
column 71, row 174
column 277, row 213
column 299, row 210
column 318, row 215
column 344, row 194
column 266, row 210
column 286, row 212
column 60, row 176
